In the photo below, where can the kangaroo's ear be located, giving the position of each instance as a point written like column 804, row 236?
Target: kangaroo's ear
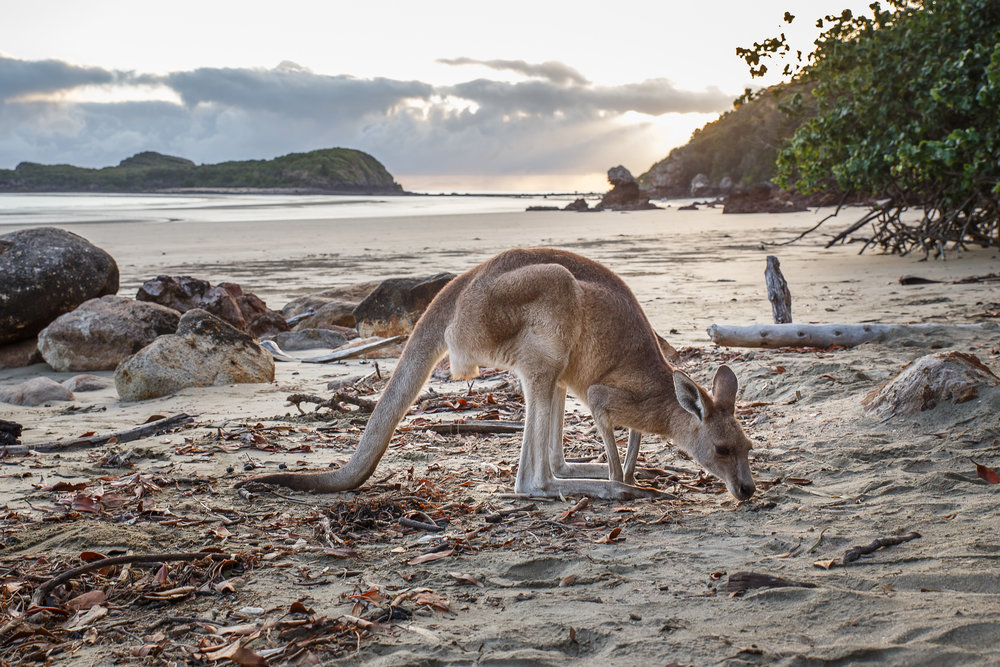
column 689, row 395
column 724, row 388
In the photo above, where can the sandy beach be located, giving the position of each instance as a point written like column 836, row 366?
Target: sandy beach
column 639, row 582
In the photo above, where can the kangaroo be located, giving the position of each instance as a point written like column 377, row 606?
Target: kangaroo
column 560, row 322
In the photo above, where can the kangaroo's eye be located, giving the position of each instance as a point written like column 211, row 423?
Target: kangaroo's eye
column 722, row 450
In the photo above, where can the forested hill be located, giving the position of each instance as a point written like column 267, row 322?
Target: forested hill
column 741, row 146
column 335, row 170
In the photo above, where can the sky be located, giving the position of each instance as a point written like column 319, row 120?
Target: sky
column 447, row 95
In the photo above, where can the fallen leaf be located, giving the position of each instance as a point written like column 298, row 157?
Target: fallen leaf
column 466, row 579
column 431, row 599
column 85, row 504
column 567, row 580
column 66, row 486
column 172, row 594
column 298, row 607
column 87, row 600
column 90, row 556
column 825, row 564
column 81, row 621
column 778, row 370
column 427, row 558
column 342, row 552
column 611, row 537
column 989, row 474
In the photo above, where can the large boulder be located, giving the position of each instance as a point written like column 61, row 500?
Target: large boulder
column 20, row 354
column 205, row 351
column 945, row 377
column 394, row 307
column 625, row 194
column 45, row 272
column 34, row 392
column 227, row 301
column 104, row 332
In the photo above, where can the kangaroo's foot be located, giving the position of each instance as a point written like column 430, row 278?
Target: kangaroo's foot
column 566, row 470
column 595, row 488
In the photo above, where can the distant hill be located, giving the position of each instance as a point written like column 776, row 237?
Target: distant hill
column 742, row 145
column 335, row 170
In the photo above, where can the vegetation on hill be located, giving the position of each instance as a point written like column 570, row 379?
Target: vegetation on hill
column 340, row 170
column 742, row 145
column 906, row 109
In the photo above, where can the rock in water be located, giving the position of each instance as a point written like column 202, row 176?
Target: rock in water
column 104, row 332
column 394, row 307
column 928, row 381
column 45, row 272
column 625, row 194
column 205, row 351
column 35, row 391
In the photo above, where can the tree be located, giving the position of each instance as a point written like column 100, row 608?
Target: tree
column 908, row 110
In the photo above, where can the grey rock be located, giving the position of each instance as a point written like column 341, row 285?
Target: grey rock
column 104, row 332
column 325, row 312
column 84, row 383
column 45, row 272
column 35, row 391
column 620, row 176
column 227, row 301
column 205, row 351
column 20, row 354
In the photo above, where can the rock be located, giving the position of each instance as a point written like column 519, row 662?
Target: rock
column 726, row 184
column 930, row 381
column 10, row 433
column 700, row 185
column 84, row 383
column 577, row 205
column 45, row 272
column 625, row 195
column 326, row 312
column 309, row 339
column 104, row 332
column 355, row 292
column 764, row 198
column 227, row 301
column 542, row 208
column 394, row 307
column 20, row 354
column 205, row 351
column 35, row 391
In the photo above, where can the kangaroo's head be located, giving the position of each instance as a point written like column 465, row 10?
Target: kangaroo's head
column 716, row 440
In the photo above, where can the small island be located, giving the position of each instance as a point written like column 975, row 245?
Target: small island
column 325, row 171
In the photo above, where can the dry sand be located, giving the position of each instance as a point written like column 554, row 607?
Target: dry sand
column 550, row 594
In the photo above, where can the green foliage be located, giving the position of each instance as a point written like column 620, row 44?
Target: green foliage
column 328, row 170
column 742, row 144
column 908, row 108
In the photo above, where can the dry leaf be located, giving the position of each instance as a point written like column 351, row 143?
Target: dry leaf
column 81, row 621
column 567, row 580
column 65, row 486
column 431, row 599
column 466, row 579
column 172, row 594
column 427, row 558
column 611, row 537
column 825, row 564
column 87, row 600
column 989, row 474
column 298, row 607
column 85, row 504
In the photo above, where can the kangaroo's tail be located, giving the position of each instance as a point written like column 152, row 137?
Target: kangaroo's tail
column 423, row 351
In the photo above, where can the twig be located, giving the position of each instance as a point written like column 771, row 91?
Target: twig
column 473, row 427
column 855, row 553
column 124, row 435
column 419, row 525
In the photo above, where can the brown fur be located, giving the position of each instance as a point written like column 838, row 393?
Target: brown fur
column 559, row 321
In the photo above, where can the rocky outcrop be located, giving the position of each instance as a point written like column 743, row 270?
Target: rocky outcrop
column 393, row 308
column 763, row 198
column 624, row 194
column 205, row 351
column 45, row 272
column 35, row 392
column 579, row 204
column 104, row 332
column 227, row 301
column 954, row 377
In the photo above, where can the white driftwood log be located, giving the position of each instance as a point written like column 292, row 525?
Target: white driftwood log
column 823, row 335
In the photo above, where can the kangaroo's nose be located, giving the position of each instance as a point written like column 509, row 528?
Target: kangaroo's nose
column 747, row 490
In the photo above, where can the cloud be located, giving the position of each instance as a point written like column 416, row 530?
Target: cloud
column 554, row 122
column 24, row 77
column 552, row 70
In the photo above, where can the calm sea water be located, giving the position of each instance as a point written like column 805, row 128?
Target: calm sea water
column 47, row 209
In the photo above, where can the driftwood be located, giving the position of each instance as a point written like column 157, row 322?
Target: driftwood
column 471, row 427
column 742, row 581
column 124, row 435
column 332, row 403
column 825, row 335
column 356, row 351
column 777, row 291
